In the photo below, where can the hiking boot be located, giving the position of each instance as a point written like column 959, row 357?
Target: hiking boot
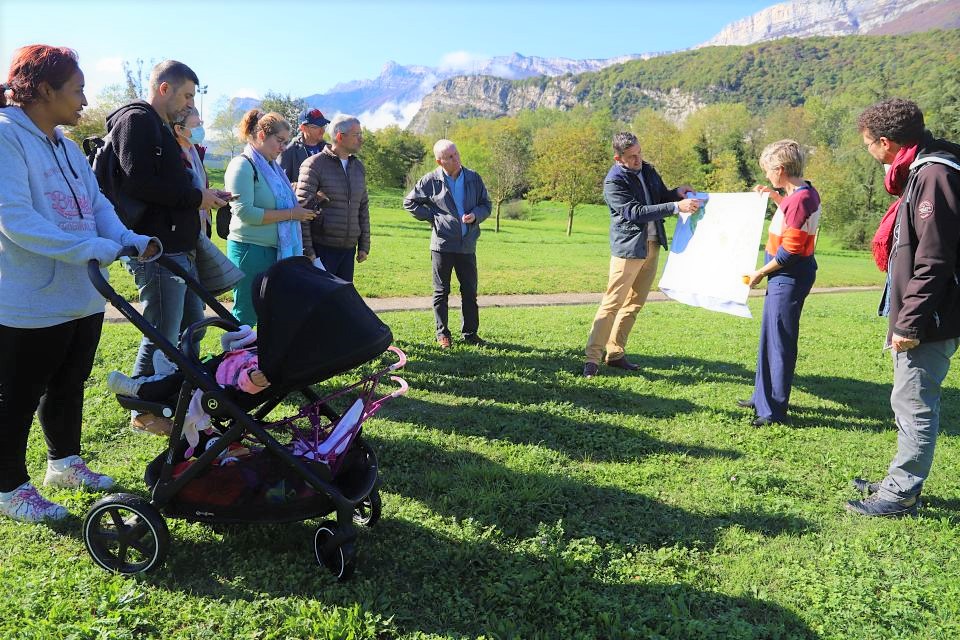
column 876, row 506
column 590, row 369
column 623, row 363
column 475, row 340
column 149, row 423
column 71, row 473
column 443, row 341
column 27, row 505
column 865, row 486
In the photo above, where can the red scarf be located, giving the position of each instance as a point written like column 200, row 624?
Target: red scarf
column 895, row 181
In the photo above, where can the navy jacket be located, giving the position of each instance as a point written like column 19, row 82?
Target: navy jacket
column 631, row 209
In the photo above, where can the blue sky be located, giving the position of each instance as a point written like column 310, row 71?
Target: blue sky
column 244, row 47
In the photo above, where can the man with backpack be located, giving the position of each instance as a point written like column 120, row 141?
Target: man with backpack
column 153, row 182
column 917, row 245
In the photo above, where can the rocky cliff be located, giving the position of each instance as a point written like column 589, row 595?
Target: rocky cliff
column 840, row 18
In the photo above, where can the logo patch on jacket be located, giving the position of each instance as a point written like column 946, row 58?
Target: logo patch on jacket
column 925, row 209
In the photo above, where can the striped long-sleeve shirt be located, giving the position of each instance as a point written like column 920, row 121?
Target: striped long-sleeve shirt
column 793, row 230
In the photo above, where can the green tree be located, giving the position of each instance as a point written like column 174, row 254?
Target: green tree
column 389, row 154
column 505, row 174
column 284, row 104
column 676, row 163
column 93, row 119
column 569, row 163
column 224, row 127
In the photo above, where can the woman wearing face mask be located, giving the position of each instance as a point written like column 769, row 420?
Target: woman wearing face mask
column 53, row 220
column 265, row 220
column 189, row 133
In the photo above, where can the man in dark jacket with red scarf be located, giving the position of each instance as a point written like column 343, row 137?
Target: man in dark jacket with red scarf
column 917, row 245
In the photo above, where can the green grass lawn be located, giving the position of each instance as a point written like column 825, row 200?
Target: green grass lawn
column 533, row 255
column 522, row 501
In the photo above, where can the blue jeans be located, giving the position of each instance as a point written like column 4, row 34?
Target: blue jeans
column 168, row 304
column 915, row 400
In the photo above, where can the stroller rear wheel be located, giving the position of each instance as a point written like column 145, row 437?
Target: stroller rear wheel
column 340, row 560
column 367, row 512
column 126, row 534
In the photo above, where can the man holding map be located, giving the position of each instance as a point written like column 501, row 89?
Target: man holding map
column 639, row 201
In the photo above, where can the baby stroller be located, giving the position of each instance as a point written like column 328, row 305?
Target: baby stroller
column 310, row 463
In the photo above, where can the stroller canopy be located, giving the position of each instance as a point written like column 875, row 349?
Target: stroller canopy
column 312, row 325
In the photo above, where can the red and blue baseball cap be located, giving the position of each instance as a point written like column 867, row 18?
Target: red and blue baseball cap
column 314, row 117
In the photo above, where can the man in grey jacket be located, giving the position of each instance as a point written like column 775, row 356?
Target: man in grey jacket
column 454, row 200
column 334, row 183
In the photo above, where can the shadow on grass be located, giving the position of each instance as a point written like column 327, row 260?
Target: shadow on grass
column 433, row 582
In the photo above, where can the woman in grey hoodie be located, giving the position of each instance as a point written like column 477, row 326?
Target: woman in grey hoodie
column 53, row 220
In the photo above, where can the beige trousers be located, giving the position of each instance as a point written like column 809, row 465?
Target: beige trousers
column 627, row 289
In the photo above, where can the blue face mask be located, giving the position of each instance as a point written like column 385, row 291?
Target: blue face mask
column 196, row 135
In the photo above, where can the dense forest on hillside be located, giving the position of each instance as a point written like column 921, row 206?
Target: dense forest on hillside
column 781, row 72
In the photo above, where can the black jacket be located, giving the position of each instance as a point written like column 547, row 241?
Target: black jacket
column 154, row 173
column 293, row 156
column 924, row 276
column 631, row 209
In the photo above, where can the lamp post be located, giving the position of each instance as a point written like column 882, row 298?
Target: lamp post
column 201, row 91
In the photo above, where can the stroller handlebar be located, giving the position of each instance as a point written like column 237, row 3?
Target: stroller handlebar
column 404, row 387
column 400, row 354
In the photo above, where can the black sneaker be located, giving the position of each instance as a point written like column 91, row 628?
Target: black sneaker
column 475, row 340
column 590, row 369
column 876, row 506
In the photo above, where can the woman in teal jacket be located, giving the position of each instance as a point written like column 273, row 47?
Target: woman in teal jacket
column 265, row 220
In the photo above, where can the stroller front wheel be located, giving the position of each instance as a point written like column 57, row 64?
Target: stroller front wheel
column 126, row 534
column 366, row 513
column 340, row 560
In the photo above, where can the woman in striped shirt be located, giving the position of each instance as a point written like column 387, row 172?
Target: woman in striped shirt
column 790, row 269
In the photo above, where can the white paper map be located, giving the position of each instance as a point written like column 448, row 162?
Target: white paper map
column 712, row 250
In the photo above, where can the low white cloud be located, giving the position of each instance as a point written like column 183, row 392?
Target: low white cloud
column 389, row 113
column 244, row 92
column 462, row 61
column 109, row 65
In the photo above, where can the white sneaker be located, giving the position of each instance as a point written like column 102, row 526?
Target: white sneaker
column 27, row 505
column 123, row 385
column 75, row 474
column 162, row 365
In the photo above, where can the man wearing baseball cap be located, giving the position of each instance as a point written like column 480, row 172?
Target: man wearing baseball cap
column 305, row 144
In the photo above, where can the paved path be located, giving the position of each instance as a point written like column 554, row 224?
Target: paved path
column 425, row 303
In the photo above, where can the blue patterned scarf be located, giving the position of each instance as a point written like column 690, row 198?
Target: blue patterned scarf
column 289, row 238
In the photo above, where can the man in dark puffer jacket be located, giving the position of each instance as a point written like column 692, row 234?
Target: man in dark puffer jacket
column 334, row 182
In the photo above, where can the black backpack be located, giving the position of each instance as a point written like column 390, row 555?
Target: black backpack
column 223, row 213
column 103, row 159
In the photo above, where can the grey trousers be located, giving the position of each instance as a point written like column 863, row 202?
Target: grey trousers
column 915, row 400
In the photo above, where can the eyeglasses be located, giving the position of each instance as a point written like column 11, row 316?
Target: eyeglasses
column 871, row 143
